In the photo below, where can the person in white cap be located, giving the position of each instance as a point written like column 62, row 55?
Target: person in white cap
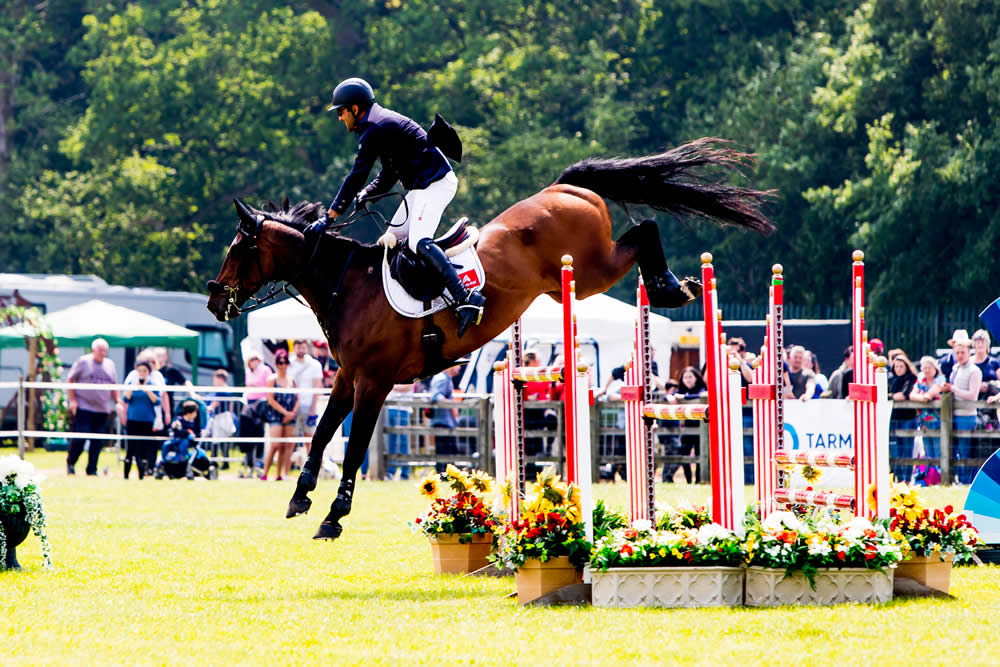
column 964, row 383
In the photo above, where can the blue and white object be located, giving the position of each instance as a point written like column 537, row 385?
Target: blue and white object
column 991, row 316
column 983, row 504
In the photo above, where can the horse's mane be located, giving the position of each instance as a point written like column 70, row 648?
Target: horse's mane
column 299, row 216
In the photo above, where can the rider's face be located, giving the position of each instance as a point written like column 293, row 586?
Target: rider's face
column 347, row 117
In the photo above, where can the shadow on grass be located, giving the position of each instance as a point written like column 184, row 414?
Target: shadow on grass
column 407, row 595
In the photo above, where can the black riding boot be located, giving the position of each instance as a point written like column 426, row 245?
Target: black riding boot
column 468, row 304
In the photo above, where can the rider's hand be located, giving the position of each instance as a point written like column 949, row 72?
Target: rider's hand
column 315, row 229
column 331, row 214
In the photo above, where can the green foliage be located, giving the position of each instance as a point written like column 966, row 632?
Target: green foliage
column 127, row 128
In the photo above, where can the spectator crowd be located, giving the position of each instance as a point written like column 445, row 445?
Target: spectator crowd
column 146, row 412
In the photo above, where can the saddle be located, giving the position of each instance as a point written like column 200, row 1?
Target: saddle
column 421, row 281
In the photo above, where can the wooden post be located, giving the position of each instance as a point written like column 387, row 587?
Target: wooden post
column 20, row 417
column 376, row 461
column 32, row 393
column 704, row 453
column 595, row 439
column 484, row 439
column 947, row 415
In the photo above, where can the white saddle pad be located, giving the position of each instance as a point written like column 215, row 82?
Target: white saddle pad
column 469, row 269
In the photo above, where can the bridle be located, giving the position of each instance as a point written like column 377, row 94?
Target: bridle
column 250, row 225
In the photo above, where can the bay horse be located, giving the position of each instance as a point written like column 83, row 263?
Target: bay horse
column 520, row 251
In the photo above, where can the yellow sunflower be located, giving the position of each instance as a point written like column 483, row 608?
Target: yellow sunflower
column 481, row 481
column 457, row 479
column 811, row 474
column 429, row 487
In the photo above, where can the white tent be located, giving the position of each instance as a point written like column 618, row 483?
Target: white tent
column 286, row 319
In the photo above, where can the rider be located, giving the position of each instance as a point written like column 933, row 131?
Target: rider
column 407, row 155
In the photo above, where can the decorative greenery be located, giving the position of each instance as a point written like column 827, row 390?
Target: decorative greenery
column 550, row 525
column 465, row 512
column 814, row 540
column 19, row 492
column 607, row 520
column 684, row 536
column 55, row 406
column 682, row 517
column 931, row 531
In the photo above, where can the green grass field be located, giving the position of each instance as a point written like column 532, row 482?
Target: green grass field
column 211, row 572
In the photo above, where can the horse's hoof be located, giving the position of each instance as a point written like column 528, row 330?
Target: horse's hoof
column 693, row 287
column 667, row 292
column 297, row 506
column 328, row 531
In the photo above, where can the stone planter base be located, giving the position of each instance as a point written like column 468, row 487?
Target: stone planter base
column 769, row 587
column 535, row 578
column 668, row 587
column 930, row 571
column 452, row 557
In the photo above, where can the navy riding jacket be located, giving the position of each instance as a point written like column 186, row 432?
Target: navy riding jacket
column 404, row 150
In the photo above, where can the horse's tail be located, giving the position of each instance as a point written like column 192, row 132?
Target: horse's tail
column 668, row 182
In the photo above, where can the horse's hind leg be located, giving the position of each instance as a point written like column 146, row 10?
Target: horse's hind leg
column 662, row 286
column 368, row 399
column 340, row 405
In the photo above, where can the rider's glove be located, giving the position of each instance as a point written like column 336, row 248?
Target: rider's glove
column 359, row 199
column 316, row 229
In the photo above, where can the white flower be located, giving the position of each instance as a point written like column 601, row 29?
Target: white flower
column 13, row 466
column 642, row 525
column 711, row 532
column 817, row 546
column 857, row 527
column 666, row 538
column 780, row 520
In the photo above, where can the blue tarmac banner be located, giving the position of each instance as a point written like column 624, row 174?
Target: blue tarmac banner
column 991, row 317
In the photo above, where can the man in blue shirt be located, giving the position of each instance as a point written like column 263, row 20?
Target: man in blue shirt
column 410, row 156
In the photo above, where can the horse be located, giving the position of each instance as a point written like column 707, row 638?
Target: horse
column 520, row 250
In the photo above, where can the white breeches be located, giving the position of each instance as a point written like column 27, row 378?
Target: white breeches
column 420, row 213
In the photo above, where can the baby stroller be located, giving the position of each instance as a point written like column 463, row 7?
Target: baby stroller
column 181, row 455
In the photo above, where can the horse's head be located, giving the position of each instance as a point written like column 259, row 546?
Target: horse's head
column 249, row 265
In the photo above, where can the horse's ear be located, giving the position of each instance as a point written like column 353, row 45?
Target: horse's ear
column 285, row 204
column 248, row 223
column 271, row 206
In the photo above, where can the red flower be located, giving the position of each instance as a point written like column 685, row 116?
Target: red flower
column 631, row 534
column 948, row 509
column 842, row 555
column 626, row 549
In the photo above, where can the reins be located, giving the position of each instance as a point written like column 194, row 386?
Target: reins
column 360, row 212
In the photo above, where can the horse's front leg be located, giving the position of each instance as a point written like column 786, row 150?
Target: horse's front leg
column 340, row 405
column 368, row 399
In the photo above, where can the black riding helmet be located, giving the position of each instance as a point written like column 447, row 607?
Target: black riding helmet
column 352, row 91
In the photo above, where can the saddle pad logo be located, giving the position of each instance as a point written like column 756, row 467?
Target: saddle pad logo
column 469, row 278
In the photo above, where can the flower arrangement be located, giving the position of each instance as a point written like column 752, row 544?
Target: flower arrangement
column 551, row 525
column 814, row 540
column 19, row 492
column 682, row 517
column 466, row 511
column 929, row 531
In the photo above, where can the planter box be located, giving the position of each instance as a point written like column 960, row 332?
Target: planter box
column 452, row 557
column 930, row 571
column 535, row 578
column 668, row 587
column 769, row 587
